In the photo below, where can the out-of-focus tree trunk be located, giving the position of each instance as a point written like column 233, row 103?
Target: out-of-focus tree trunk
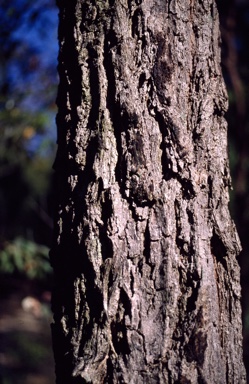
column 147, row 286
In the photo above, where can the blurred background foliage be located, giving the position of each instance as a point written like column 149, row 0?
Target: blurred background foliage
column 28, row 86
column 28, row 81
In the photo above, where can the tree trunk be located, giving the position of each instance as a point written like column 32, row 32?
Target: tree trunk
column 147, row 285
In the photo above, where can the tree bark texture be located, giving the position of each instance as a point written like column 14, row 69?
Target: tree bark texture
column 147, row 285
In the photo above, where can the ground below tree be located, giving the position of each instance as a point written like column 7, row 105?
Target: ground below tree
column 25, row 342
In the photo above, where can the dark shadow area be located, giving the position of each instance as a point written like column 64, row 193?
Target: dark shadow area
column 234, row 18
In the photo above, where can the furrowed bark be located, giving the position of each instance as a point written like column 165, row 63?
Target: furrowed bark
column 147, row 283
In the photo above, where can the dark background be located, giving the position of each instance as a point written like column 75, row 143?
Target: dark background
column 28, row 86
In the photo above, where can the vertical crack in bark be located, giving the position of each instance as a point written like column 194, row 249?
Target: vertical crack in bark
column 147, row 250
column 223, row 277
column 219, row 250
column 166, row 162
column 189, row 334
column 93, row 58
column 106, row 214
column 119, row 328
column 111, row 43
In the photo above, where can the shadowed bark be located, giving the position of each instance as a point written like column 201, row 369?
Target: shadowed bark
column 147, row 283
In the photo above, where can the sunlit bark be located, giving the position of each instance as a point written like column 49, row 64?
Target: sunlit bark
column 146, row 278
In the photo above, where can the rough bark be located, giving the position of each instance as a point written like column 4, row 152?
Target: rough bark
column 147, row 283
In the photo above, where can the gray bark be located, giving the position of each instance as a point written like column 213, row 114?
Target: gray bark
column 147, row 285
